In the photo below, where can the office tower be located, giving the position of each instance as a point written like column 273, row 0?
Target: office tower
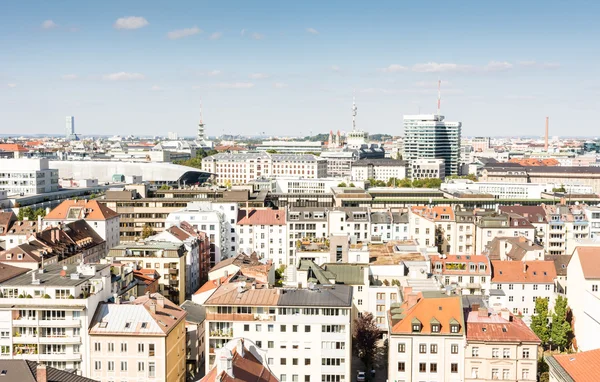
column 70, row 128
column 428, row 136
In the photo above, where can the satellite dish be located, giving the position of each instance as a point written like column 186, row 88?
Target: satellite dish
column 131, row 298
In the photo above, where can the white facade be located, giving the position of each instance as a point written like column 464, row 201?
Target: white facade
column 27, row 176
column 217, row 220
column 312, row 186
column 510, row 190
column 378, row 169
column 427, row 168
column 269, row 241
column 339, row 162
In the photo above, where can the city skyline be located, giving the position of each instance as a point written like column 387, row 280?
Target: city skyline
column 142, row 70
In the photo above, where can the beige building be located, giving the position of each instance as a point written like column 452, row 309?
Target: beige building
column 168, row 259
column 499, row 347
column 141, row 340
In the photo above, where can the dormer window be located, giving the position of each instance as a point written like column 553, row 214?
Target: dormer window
column 435, row 328
column 454, row 326
column 416, row 325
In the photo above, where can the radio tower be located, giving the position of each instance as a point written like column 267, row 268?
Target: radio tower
column 354, row 109
column 200, row 136
column 439, row 96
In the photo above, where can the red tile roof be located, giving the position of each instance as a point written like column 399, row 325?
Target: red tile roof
column 434, row 213
column 261, row 217
column 214, row 284
column 582, row 367
column 522, row 272
column 245, row 368
column 493, row 327
column 12, row 147
column 589, row 257
column 90, row 210
column 426, row 310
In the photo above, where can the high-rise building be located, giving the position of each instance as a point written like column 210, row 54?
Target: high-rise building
column 70, row 128
column 429, row 136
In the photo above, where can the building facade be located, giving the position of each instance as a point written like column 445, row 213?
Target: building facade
column 27, row 176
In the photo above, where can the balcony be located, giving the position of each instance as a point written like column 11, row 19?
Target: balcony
column 60, row 357
column 25, row 340
column 224, row 333
column 239, row 317
column 60, row 340
column 25, row 322
column 473, row 286
column 60, row 323
column 173, row 271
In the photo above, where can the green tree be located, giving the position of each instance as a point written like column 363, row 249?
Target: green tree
column 279, row 272
column 26, row 213
column 147, row 231
column 351, row 185
column 539, row 321
column 40, row 212
column 164, row 187
column 365, row 338
column 271, row 151
column 342, row 185
column 472, row 177
column 561, row 331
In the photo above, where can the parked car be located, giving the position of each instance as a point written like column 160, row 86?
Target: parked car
column 361, row 376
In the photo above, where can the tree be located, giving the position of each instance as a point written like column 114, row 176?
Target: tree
column 272, row 151
column 164, row 187
column 365, row 338
column 561, row 331
column 279, row 272
column 398, row 156
column 40, row 212
column 26, row 213
column 147, row 231
column 351, row 185
column 539, row 321
column 342, row 185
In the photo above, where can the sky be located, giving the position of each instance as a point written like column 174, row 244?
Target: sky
column 292, row 68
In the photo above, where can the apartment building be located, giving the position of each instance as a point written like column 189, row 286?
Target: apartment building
column 27, row 176
column 305, row 223
column 491, row 226
column 195, row 336
column 379, row 169
column 306, row 333
column 427, row 338
column 468, row 274
column 583, row 275
column 387, row 226
column 465, row 232
column 500, row 346
column 523, row 282
column 264, row 232
column 566, row 226
column 217, row 220
column 168, row 259
column 143, row 339
column 353, row 221
column 104, row 221
column 241, row 168
column 45, row 314
column 593, row 217
column 433, row 226
column 427, row 168
column 340, row 162
column 14, row 232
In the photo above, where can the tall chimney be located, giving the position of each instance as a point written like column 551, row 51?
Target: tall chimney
column 41, row 375
column 546, row 141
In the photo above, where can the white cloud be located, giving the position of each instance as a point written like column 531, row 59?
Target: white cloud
column 335, row 68
column 393, row 68
column 49, row 24
column 215, row 36
column 124, row 76
column 156, row 88
column 236, row 85
column 257, row 36
column 130, row 22
column 541, row 65
column 434, row 67
column 259, row 76
column 495, row 66
column 213, row 73
column 181, row 33
column 279, row 85
column 11, row 85
column 312, row 31
column 69, row 76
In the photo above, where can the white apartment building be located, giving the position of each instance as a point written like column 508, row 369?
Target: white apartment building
column 27, row 176
column 312, row 186
column 427, row 338
column 238, row 168
column 264, row 232
column 306, row 333
column 522, row 283
column 566, row 226
column 593, row 217
column 379, row 169
column 510, row 190
column 489, row 227
column 433, row 226
column 583, row 277
column 217, row 220
column 499, row 347
column 305, row 223
column 104, row 221
column 45, row 314
column 427, row 168
column 139, row 340
column 339, row 162
column 354, row 222
column 470, row 274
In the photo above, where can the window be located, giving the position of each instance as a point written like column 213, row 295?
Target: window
column 495, row 353
column 246, row 327
column 401, row 366
column 416, row 327
column 294, row 377
column 151, row 369
column 454, row 349
column 435, row 328
column 510, row 286
column 111, row 365
column 306, row 328
column 111, row 347
column 433, row 348
column 474, row 372
column 140, row 348
column 295, row 328
column 475, row 352
column 495, row 374
column 282, row 328
column 594, row 288
column 506, row 353
column 282, row 378
column 422, row 367
column 283, row 361
column 505, row 373
column 258, row 327
column 510, row 298
column 151, row 350
column 123, row 365
column 295, row 361
column 535, row 287
column 259, row 344
column 97, row 365
column 454, row 368
column 401, row 348
column 360, row 302
column 97, row 346
column 525, row 353
column 306, row 361
column 423, row 348
column 525, row 374
column 141, row 366
column 360, row 288
column 270, row 344
column 453, row 328
column 124, row 347
column 433, row 367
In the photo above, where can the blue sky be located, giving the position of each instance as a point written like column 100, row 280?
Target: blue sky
column 291, row 68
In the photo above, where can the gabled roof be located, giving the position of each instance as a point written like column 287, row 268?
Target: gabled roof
column 7, row 272
column 214, row 284
column 261, row 217
column 6, row 218
column 580, row 367
column 494, row 328
column 519, row 272
column 443, row 308
column 12, row 147
column 26, row 371
column 589, row 258
column 196, row 313
column 246, row 367
column 81, row 209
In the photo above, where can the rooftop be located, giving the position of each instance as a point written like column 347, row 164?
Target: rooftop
column 522, row 272
column 493, row 327
column 56, row 275
column 589, row 257
column 261, row 217
column 81, row 209
column 427, row 310
column 580, row 367
column 26, row 371
column 196, row 313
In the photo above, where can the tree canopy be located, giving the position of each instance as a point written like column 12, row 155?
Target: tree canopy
column 539, row 321
column 366, row 334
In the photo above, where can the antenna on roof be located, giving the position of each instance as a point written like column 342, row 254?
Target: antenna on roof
column 439, row 96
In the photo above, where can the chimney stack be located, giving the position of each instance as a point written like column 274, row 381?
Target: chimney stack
column 546, row 141
column 482, row 312
column 152, row 307
column 475, row 308
column 411, row 300
column 160, row 301
column 41, row 375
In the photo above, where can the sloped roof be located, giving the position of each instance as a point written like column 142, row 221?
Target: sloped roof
column 12, row 147
column 560, row 263
column 520, row 245
column 261, row 217
column 81, row 209
column 229, row 294
column 443, row 308
column 494, row 328
column 589, row 257
column 195, row 312
column 7, row 272
column 26, row 371
column 6, row 218
column 580, row 367
column 540, row 272
column 245, row 368
column 213, row 284
column 349, row 274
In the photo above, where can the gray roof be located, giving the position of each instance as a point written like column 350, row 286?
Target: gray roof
column 293, row 157
column 381, row 218
column 496, row 167
column 379, row 162
column 195, row 312
column 324, row 296
column 400, row 217
column 497, row 292
column 26, row 371
column 52, row 277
